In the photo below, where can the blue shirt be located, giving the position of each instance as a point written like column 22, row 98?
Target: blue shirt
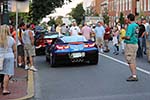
column 99, row 31
column 148, row 30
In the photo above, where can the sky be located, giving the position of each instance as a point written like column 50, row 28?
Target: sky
column 65, row 9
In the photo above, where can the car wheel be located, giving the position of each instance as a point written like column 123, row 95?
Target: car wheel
column 47, row 59
column 52, row 61
column 94, row 61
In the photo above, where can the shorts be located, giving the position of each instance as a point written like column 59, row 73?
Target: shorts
column 29, row 50
column 130, row 53
column 20, row 50
column 99, row 41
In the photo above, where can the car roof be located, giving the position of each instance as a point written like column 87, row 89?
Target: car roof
column 77, row 38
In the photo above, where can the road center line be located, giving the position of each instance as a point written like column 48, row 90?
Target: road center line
column 121, row 62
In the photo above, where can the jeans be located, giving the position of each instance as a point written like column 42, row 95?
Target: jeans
column 140, row 47
column 144, row 44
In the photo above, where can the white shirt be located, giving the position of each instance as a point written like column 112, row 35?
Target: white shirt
column 146, row 27
column 74, row 30
column 19, row 42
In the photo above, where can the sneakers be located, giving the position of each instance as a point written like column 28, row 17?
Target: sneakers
column 107, row 50
column 30, row 68
column 131, row 78
column 33, row 68
column 101, row 50
column 26, row 67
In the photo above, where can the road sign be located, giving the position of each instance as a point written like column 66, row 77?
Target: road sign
column 21, row 6
column 91, row 20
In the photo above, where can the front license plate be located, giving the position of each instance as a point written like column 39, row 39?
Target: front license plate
column 77, row 55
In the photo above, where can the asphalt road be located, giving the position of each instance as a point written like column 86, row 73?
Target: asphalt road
column 105, row 81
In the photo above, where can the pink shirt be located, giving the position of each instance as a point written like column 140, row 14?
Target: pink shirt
column 86, row 32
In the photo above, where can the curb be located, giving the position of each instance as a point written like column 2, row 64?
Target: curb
column 30, row 87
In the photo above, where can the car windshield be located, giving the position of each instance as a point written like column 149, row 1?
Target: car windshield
column 68, row 39
column 39, row 28
column 54, row 35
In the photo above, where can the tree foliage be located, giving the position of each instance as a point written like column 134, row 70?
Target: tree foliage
column 106, row 16
column 25, row 17
column 121, row 19
column 41, row 8
column 59, row 20
column 51, row 22
column 141, row 15
column 78, row 13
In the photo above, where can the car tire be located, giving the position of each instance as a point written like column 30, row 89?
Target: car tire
column 52, row 61
column 94, row 61
column 47, row 59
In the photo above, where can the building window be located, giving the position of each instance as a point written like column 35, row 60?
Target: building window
column 130, row 4
column 138, row 7
column 115, row 5
column 111, row 6
column 120, row 5
column 144, row 5
column 148, row 5
column 123, row 5
column 126, row 4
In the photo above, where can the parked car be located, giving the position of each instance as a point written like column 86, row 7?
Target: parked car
column 43, row 40
column 72, row 49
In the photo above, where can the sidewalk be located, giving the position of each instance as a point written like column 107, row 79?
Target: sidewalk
column 21, row 86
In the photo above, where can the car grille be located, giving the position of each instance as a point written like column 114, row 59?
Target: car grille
column 77, row 60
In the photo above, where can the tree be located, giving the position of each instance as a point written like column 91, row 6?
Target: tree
column 41, row 8
column 22, row 17
column 141, row 15
column 59, row 20
column 78, row 13
column 25, row 17
column 121, row 19
column 105, row 16
column 51, row 22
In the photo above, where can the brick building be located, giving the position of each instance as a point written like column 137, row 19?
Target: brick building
column 115, row 7
column 127, row 6
column 96, row 7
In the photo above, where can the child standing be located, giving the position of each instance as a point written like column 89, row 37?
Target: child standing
column 122, row 34
column 115, row 41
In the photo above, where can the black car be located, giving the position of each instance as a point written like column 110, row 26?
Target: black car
column 43, row 40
